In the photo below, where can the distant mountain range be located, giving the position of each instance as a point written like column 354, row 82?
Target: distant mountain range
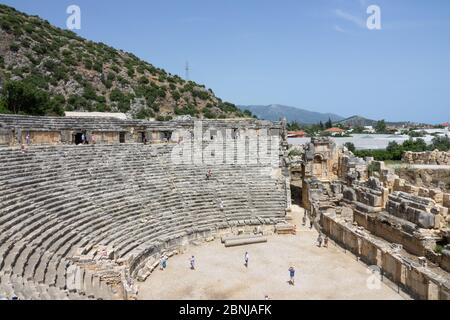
column 275, row 112
column 361, row 121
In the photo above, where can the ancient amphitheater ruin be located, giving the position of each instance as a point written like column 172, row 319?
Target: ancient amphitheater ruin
column 89, row 205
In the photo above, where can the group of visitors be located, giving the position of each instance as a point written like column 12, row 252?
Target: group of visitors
column 85, row 140
column 164, row 258
column 24, row 147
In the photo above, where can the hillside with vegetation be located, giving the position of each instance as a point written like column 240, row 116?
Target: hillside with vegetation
column 45, row 70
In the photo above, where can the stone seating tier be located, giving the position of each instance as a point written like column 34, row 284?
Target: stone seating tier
column 56, row 200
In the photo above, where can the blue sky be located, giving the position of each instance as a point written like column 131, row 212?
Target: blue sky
column 314, row 54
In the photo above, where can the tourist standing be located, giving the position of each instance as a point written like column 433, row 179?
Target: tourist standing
column 221, row 205
column 319, row 240
column 163, row 262
column 27, row 138
column 192, row 261
column 304, row 220
column 292, row 275
column 246, row 258
column 83, row 138
column 325, row 242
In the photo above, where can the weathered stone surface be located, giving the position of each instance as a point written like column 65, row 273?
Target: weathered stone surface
column 429, row 157
column 421, row 211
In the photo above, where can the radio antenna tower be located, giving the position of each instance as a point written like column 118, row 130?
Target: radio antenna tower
column 187, row 70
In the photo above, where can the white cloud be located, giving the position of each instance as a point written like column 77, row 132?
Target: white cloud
column 363, row 3
column 338, row 29
column 349, row 17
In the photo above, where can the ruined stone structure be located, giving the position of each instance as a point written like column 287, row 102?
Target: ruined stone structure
column 399, row 229
column 88, row 221
column 435, row 157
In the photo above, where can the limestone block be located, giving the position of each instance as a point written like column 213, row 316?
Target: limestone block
column 446, row 200
column 399, row 184
column 349, row 194
column 414, row 190
column 424, row 192
column 437, row 195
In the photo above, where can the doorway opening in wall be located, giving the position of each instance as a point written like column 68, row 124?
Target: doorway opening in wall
column 77, row 138
column 166, row 136
column 142, row 138
column 122, row 137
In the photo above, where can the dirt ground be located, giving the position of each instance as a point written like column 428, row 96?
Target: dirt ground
column 220, row 273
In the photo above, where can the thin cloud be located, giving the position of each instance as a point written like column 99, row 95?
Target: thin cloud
column 350, row 17
column 363, row 3
column 339, row 29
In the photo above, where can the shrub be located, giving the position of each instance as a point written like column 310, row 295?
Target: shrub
column 88, row 64
column 14, row 47
column 438, row 248
column 40, row 49
column 3, row 108
column 77, row 102
column 440, row 143
column 350, row 146
column 247, row 113
column 187, row 110
column 115, row 68
column 144, row 113
column 294, row 153
column 143, row 80
column 98, row 66
column 209, row 114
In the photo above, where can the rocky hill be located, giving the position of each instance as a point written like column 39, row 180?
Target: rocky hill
column 47, row 70
column 356, row 121
column 274, row 112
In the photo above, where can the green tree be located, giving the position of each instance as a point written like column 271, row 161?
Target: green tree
column 329, row 124
column 22, row 97
column 395, row 150
column 418, row 145
column 3, row 108
column 381, row 127
column 294, row 126
column 321, row 125
column 440, row 143
column 358, row 129
column 350, row 146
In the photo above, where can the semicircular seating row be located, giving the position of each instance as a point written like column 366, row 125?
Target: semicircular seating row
column 57, row 199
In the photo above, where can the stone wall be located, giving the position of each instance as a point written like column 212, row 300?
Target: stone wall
column 420, row 282
column 419, row 210
column 106, row 137
column 440, row 198
column 5, row 136
column 429, row 157
column 43, row 137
